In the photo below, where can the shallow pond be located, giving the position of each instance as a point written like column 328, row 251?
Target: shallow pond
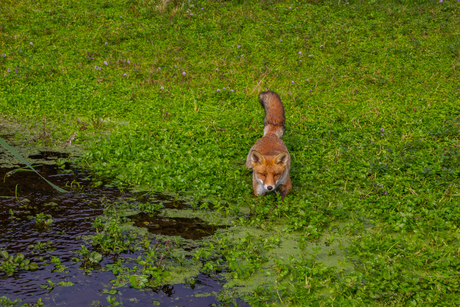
column 25, row 198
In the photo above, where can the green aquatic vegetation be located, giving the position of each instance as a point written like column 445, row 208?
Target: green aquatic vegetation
column 110, row 234
column 154, row 266
column 42, row 220
column 40, row 247
column 58, row 266
column 112, row 301
column 298, row 282
column 245, row 256
column 4, row 301
column 50, row 285
column 11, row 264
column 12, row 217
column 150, row 207
column 52, row 205
column 89, row 257
column 122, row 273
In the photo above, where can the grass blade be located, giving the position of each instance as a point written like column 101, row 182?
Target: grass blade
column 10, row 149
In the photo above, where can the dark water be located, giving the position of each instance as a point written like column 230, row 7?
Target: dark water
column 49, row 155
column 26, row 194
column 188, row 228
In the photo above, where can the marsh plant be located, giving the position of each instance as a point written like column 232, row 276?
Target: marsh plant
column 41, row 247
column 42, row 220
column 89, row 257
column 12, row 263
column 154, row 265
column 110, row 236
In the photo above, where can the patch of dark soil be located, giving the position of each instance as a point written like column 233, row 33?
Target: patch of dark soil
column 187, row 228
column 50, row 155
column 169, row 201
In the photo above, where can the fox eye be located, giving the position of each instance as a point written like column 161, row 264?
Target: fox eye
column 263, row 175
column 276, row 175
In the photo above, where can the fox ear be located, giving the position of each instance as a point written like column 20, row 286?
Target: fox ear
column 281, row 158
column 256, row 158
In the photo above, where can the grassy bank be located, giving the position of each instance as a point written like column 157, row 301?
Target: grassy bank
column 164, row 96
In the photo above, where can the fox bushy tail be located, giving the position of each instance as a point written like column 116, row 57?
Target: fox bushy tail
column 274, row 113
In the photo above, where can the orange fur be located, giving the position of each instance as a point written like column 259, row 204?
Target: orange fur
column 269, row 157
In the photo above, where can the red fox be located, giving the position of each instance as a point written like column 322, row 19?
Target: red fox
column 269, row 157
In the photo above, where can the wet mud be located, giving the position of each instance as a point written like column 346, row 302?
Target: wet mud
column 187, row 228
column 50, row 155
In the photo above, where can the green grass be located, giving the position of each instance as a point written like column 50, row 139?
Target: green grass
column 372, row 103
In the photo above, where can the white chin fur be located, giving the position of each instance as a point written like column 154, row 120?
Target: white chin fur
column 261, row 190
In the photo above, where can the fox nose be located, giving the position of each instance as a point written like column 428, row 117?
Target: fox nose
column 269, row 188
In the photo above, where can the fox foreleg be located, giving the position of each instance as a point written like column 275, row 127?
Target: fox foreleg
column 286, row 188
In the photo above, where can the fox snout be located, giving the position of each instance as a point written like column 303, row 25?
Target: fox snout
column 268, row 185
column 268, row 180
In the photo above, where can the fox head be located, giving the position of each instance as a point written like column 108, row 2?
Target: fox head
column 269, row 172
